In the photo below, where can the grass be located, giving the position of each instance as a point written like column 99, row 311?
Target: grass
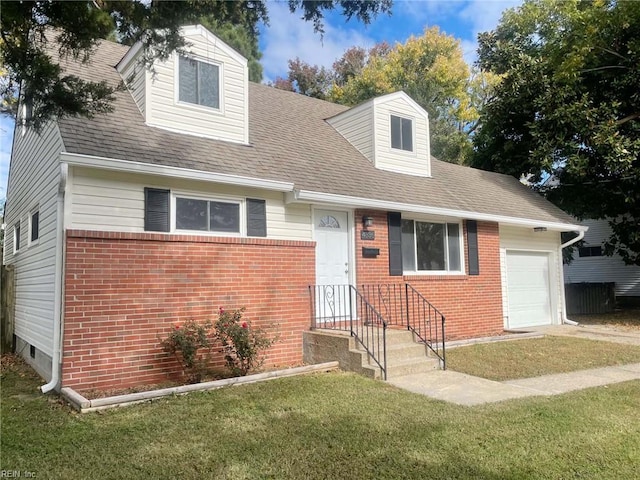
column 538, row 356
column 322, row 427
column 628, row 319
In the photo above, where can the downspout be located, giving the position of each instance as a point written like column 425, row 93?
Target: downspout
column 563, row 299
column 56, row 359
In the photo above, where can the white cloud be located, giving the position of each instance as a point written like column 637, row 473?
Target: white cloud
column 482, row 16
column 427, row 11
column 288, row 37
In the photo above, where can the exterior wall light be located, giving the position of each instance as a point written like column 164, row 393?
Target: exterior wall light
column 367, row 222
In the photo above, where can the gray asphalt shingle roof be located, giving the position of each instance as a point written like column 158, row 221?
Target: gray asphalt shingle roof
column 290, row 141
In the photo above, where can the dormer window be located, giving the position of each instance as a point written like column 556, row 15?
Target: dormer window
column 401, row 133
column 198, row 82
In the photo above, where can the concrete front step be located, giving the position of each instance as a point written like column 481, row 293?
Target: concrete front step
column 406, row 351
column 404, row 355
column 410, row 366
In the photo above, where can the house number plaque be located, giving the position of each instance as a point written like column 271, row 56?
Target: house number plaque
column 367, row 235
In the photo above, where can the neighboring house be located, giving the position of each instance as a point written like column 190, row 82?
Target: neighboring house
column 203, row 190
column 590, row 265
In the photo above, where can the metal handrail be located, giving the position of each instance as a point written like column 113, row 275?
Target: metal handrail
column 426, row 318
column 343, row 307
column 402, row 305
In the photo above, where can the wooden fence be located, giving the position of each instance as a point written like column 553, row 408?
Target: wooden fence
column 7, row 307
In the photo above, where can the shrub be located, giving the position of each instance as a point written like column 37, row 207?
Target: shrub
column 187, row 342
column 242, row 343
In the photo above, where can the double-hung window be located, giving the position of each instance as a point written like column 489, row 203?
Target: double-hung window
column 198, row 82
column 430, row 246
column 401, row 133
column 16, row 237
column 34, row 226
column 207, row 215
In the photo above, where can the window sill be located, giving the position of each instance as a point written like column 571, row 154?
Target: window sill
column 207, row 233
column 200, row 108
column 435, row 275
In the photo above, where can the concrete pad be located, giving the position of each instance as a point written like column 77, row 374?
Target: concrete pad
column 460, row 388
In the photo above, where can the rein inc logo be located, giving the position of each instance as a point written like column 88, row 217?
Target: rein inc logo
column 17, row 474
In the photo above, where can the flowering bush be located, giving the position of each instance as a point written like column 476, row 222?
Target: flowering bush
column 242, row 344
column 186, row 342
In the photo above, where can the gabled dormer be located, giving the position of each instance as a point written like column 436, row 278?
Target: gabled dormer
column 392, row 131
column 202, row 92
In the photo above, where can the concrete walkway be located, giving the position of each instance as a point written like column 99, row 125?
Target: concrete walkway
column 464, row 389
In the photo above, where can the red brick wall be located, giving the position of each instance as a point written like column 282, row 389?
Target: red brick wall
column 124, row 291
column 472, row 305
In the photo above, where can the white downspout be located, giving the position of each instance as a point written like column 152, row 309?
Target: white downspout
column 56, row 359
column 563, row 298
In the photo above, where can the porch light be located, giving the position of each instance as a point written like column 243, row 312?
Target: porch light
column 367, row 222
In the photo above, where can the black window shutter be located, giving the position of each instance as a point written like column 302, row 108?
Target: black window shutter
column 394, row 220
column 256, row 218
column 156, row 210
column 472, row 247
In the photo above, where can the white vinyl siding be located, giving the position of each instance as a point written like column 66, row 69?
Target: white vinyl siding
column 521, row 239
column 415, row 162
column 134, row 74
column 229, row 122
column 356, row 125
column 604, row 268
column 33, row 183
column 368, row 128
column 113, row 201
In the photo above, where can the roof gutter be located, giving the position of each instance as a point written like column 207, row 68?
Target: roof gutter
column 127, row 166
column 563, row 299
column 56, row 358
column 349, row 201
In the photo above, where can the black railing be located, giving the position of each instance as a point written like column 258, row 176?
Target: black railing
column 426, row 322
column 401, row 304
column 343, row 307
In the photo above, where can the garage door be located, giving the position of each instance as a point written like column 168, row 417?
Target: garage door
column 528, row 291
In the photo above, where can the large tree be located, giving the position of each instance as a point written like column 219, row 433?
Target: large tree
column 429, row 68
column 79, row 25
column 569, row 107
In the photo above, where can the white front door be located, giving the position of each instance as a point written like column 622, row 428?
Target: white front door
column 331, row 233
column 528, row 289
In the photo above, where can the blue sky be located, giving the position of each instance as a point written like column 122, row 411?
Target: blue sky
column 288, row 37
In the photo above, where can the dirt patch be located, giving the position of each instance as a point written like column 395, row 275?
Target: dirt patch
column 622, row 320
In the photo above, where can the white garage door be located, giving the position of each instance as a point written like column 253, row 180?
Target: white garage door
column 528, row 291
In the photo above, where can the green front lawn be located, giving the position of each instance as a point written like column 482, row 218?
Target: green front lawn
column 526, row 358
column 329, row 426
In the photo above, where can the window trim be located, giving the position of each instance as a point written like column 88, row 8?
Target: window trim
column 196, row 106
column 461, row 237
column 26, row 111
column 31, row 242
column 413, row 134
column 17, row 234
column 242, row 221
column 590, row 248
